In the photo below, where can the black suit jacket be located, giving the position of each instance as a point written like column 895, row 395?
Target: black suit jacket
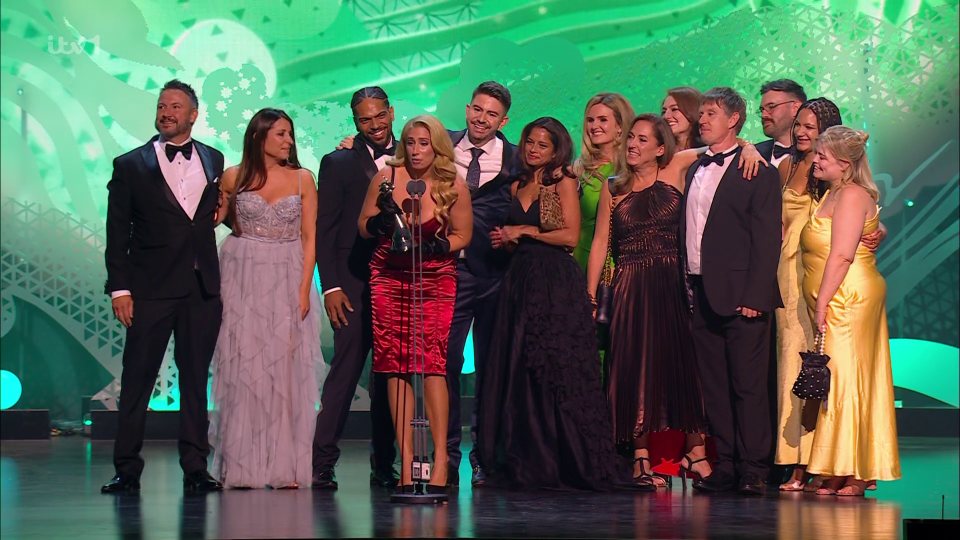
column 765, row 148
column 343, row 257
column 740, row 248
column 152, row 245
column 491, row 204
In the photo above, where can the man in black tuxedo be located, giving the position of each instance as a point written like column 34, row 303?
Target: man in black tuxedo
column 485, row 159
column 731, row 244
column 343, row 260
column 779, row 102
column 162, row 254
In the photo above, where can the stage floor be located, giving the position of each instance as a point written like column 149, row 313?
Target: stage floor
column 51, row 490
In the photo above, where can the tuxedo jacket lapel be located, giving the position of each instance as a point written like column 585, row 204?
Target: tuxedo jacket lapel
column 723, row 187
column 203, row 153
column 366, row 160
column 149, row 155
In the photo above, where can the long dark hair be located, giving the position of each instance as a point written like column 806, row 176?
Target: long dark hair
column 828, row 115
column 688, row 101
column 562, row 148
column 252, row 174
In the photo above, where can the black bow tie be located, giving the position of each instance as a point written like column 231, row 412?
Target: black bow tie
column 716, row 159
column 172, row 150
column 780, row 151
column 379, row 152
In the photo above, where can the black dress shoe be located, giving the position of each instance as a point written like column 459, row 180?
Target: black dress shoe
column 384, row 478
column 201, row 482
column 752, row 484
column 716, row 483
column 453, row 477
column 324, row 479
column 479, row 477
column 122, row 483
column 432, row 489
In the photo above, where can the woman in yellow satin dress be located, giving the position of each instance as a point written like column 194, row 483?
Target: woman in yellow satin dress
column 855, row 440
column 794, row 325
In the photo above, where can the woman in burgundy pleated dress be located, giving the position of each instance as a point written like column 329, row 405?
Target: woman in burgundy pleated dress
column 654, row 383
column 425, row 153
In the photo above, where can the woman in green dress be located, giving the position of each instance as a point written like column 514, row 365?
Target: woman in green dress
column 603, row 120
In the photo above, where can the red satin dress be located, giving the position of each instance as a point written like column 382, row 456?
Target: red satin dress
column 391, row 295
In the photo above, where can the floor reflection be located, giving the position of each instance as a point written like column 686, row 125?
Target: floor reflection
column 53, row 492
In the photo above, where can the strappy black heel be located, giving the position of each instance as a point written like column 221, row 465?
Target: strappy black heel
column 687, row 469
column 654, row 479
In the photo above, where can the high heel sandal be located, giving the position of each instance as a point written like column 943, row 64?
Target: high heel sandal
column 654, row 479
column 687, row 469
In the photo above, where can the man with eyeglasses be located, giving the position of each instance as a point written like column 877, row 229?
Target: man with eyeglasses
column 779, row 102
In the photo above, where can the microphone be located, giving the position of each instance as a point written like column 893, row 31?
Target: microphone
column 416, row 188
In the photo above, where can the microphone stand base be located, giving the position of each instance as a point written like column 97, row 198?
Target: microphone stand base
column 419, row 498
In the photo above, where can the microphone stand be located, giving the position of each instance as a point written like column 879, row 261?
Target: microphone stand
column 420, row 473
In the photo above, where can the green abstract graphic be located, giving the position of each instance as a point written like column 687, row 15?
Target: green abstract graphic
column 79, row 82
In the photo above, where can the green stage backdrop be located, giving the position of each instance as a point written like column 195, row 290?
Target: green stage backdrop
column 80, row 80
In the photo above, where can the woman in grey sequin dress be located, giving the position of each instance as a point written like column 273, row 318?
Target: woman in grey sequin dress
column 267, row 365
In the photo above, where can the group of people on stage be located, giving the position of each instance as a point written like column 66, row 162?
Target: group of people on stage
column 630, row 291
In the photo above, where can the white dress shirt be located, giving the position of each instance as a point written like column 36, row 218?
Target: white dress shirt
column 185, row 178
column 491, row 160
column 700, row 196
column 380, row 161
column 775, row 161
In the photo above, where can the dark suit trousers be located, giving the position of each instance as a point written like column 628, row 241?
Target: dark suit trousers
column 733, row 354
column 476, row 304
column 351, row 346
column 195, row 323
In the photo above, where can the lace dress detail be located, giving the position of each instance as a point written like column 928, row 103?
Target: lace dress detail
column 267, row 367
column 544, row 420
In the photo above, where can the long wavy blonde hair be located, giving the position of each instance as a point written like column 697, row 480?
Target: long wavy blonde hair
column 442, row 171
column 589, row 160
column 850, row 145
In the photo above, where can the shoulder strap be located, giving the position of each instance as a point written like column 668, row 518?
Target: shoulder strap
column 393, row 173
column 299, row 182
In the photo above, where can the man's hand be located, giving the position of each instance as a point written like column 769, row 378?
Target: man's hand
column 123, row 309
column 749, row 313
column 337, row 305
column 872, row 241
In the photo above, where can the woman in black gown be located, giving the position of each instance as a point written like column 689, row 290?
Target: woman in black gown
column 544, row 421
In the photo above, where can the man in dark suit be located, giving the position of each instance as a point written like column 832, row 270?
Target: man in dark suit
column 343, row 260
column 779, row 102
column 485, row 159
column 731, row 243
column 162, row 254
